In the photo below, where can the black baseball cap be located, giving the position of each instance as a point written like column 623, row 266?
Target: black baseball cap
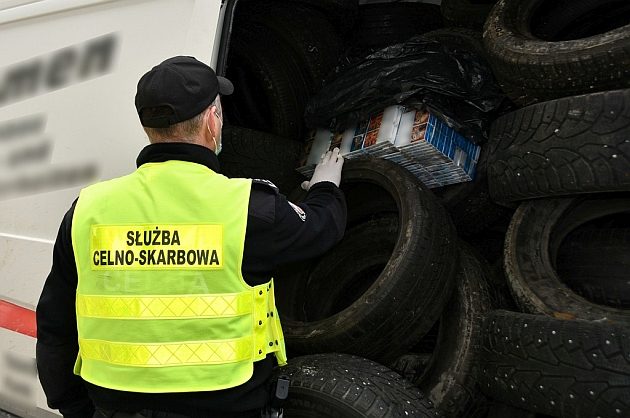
column 180, row 87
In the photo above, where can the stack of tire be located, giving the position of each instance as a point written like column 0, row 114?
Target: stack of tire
column 410, row 288
column 279, row 55
column 563, row 160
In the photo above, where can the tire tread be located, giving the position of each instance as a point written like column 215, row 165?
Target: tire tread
column 371, row 389
column 567, row 146
column 545, row 360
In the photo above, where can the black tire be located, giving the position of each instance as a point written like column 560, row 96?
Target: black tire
column 270, row 92
column 260, row 155
column 341, row 385
column 469, row 203
column 383, row 24
column 573, row 145
column 470, row 14
column 531, row 246
column 406, row 297
column 310, row 36
column 350, row 268
column 534, row 63
column 364, row 201
column 450, row 381
column 562, row 368
column 367, row 202
column 595, row 263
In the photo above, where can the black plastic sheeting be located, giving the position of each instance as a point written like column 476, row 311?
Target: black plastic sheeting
column 457, row 85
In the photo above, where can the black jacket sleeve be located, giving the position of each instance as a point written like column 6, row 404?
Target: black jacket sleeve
column 57, row 345
column 279, row 233
column 300, row 238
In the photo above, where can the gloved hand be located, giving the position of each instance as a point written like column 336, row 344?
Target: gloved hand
column 328, row 169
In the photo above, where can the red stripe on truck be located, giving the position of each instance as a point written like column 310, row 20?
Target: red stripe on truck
column 17, row 318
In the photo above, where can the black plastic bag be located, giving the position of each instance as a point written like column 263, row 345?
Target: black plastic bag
column 457, row 85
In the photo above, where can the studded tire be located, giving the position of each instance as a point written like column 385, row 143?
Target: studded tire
column 341, row 385
column 531, row 246
column 568, row 146
column 535, row 62
column 562, row 368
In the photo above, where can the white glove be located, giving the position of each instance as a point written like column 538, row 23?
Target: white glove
column 328, row 169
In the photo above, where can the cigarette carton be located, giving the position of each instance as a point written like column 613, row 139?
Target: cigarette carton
column 415, row 139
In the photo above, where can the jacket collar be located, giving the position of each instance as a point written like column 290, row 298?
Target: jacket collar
column 165, row 151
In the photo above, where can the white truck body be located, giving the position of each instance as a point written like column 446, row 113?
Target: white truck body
column 68, row 77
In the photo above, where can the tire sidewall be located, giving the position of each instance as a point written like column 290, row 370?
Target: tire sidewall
column 533, row 280
column 419, row 212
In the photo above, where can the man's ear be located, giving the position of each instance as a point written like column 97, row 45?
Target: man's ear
column 209, row 121
column 206, row 116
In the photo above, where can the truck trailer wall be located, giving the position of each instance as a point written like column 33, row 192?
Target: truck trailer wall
column 68, row 77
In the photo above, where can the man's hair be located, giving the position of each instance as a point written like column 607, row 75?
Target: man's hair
column 185, row 131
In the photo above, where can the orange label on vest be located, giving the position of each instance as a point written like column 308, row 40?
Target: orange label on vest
column 156, row 247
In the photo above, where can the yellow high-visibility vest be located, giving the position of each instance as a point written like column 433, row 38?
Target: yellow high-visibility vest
column 161, row 302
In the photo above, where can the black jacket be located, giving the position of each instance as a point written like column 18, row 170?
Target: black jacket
column 276, row 234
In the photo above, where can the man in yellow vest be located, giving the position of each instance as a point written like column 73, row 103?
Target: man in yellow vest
column 160, row 300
